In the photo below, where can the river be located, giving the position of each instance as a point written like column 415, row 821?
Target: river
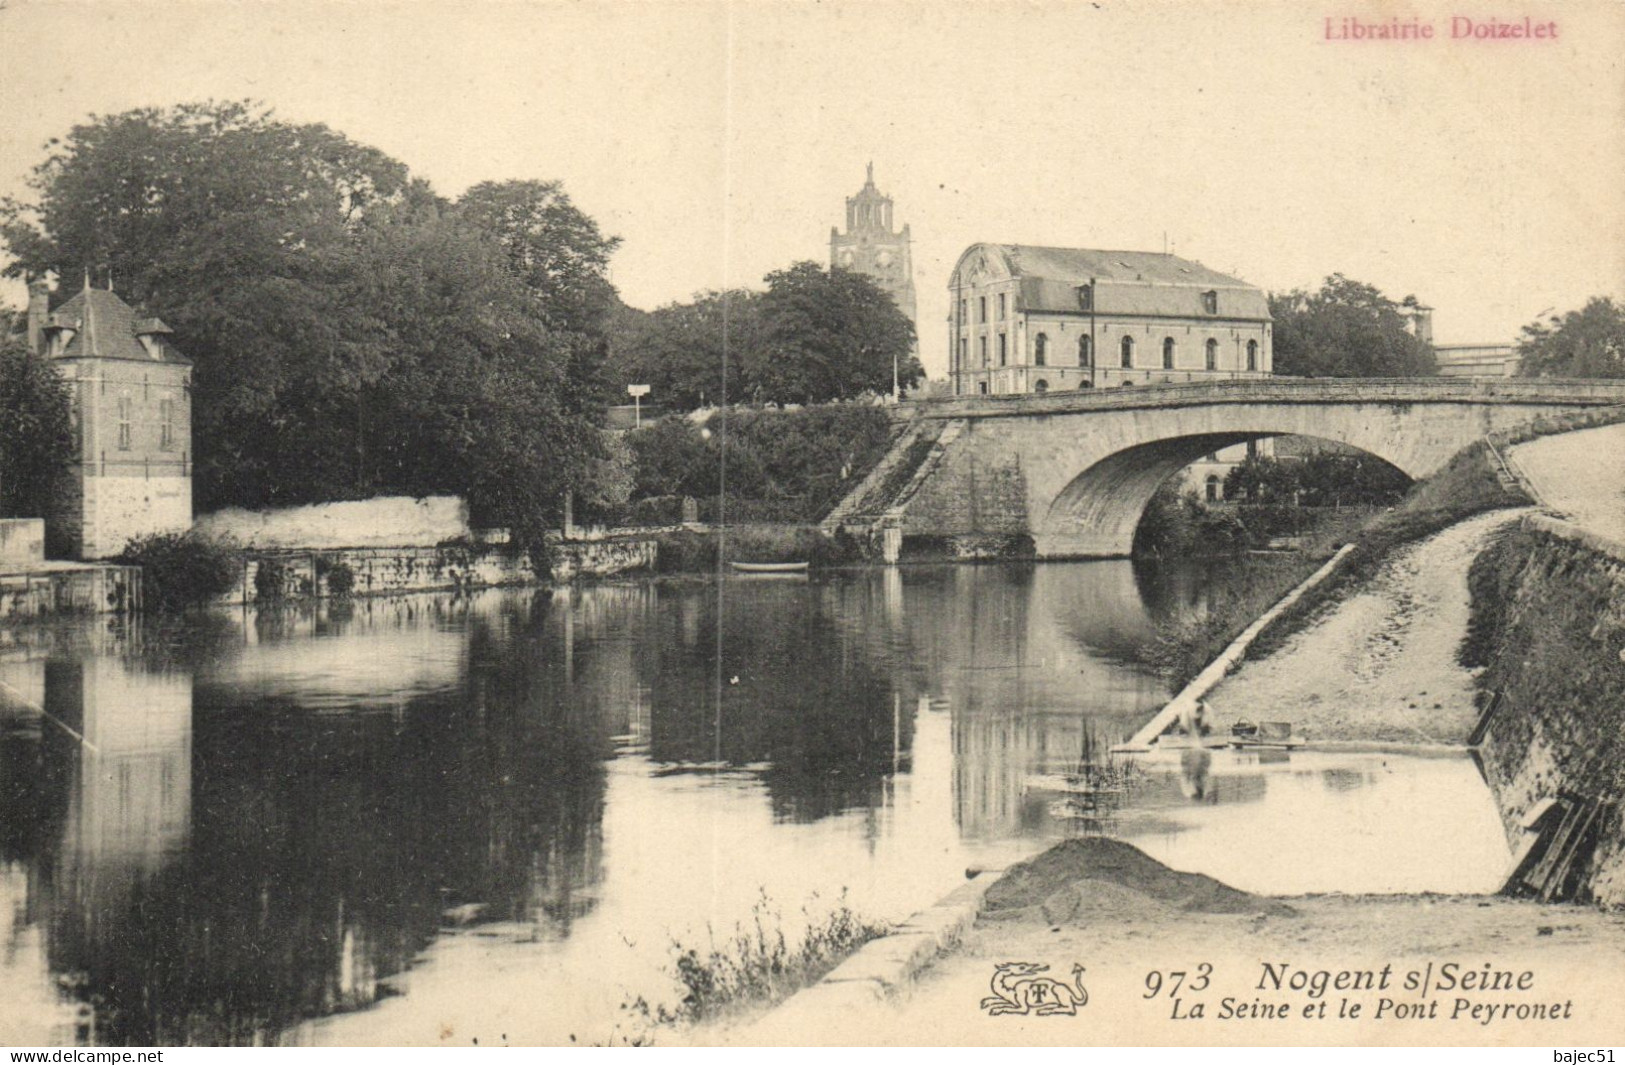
column 441, row 819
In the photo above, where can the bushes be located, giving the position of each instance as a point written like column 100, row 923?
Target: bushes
column 783, row 465
column 182, row 570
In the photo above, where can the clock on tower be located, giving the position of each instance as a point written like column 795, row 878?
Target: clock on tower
column 870, row 245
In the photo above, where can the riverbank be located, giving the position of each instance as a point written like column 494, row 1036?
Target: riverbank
column 1548, row 630
column 1382, row 666
column 1468, row 485
column 1123, row 917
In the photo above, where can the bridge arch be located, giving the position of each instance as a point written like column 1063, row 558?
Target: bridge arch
column 1105, row 501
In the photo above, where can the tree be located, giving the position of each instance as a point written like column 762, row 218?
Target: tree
column 680, row 349
column 1259, row 479
column 829, row 335
column 353, row 333
column 36, row 436
column 556, row 251
column 812, row 337
column 562, row 259
column 1347, row 329
column 1589, row 342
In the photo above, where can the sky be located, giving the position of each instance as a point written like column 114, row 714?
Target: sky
column 719, row 140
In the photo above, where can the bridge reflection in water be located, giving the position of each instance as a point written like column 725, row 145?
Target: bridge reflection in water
column 315, row 826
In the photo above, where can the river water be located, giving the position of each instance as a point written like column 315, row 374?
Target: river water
column 441, row 819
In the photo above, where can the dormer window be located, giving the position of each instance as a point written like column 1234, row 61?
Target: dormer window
column 1086, row 297
column 1210, row 302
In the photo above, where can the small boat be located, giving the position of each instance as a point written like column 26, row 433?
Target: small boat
column 1276, row 734
column 769, row 567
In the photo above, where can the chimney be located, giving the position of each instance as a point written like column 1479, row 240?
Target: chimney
column 39, row 310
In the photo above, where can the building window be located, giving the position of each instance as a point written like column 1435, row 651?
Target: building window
column 124, row 421
column 1001, row 306
column 1086, row 297
column 1085, row 350
column 1252, row 354
column 1128, row 353
column 964, row 352
column 166, row 424
column 1040, row 349
column 1040, row 385
column 1212, row 354
column 1167, row 353
column 1213, row 488
column 981, row 308
column 984, row 350
column 963, row 312
column 981, row 386
column 1002, row 354
column 1210, row 302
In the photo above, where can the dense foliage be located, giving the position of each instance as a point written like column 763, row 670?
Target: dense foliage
column 1319, row 479
column 1589, row 342
column 782, row 465
column 36, row 436
column 813, row 336
column 354, row 334
column 1346, row 329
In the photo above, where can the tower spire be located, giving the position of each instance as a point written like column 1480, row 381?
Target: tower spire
column 871, row 174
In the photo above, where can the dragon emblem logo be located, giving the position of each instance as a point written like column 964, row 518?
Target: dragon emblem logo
column 1019, row 989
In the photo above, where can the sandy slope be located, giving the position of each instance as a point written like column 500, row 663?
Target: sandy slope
column 1381, row 665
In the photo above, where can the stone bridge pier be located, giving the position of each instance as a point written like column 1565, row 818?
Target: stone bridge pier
column 1075, row 471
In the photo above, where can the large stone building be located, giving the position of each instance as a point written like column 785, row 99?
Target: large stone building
column 870, row 245
column 131, row 397
column 1476, row 360
column 1031, row 319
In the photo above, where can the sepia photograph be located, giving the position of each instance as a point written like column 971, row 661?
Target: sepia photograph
column 740, row 523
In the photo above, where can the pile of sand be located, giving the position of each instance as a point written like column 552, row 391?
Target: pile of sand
column 1082, row 881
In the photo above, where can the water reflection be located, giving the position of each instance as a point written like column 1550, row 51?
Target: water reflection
column 221, row 834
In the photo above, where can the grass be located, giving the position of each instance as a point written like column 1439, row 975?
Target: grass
column 758, row 964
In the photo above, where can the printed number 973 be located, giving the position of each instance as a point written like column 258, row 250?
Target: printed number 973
column 1157, row 981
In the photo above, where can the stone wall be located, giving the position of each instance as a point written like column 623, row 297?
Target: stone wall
column 395, row 521
column 22, row 543
column 69, row 589
column 399, row 570
column 1548, row 625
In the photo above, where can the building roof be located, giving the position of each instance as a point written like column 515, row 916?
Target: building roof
column 1126, row 282
column 106, row 327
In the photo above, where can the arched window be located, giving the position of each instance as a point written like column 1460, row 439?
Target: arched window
column 1040, row 348
column 1086, row 383
column 1213, row 488
column 1167, row 353
column 1128, row 353
column 1040, row 385
column 1212, row 354
column 1085, row 349
column 1252, row 354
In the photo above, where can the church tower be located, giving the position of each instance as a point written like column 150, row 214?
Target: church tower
column 869, row 245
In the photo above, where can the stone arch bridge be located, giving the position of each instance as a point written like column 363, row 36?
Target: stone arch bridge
column 1075, row 470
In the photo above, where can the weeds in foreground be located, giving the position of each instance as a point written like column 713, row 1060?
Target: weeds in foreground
column 758, row 964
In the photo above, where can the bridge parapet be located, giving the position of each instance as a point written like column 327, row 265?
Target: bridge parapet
column 1533, row 391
